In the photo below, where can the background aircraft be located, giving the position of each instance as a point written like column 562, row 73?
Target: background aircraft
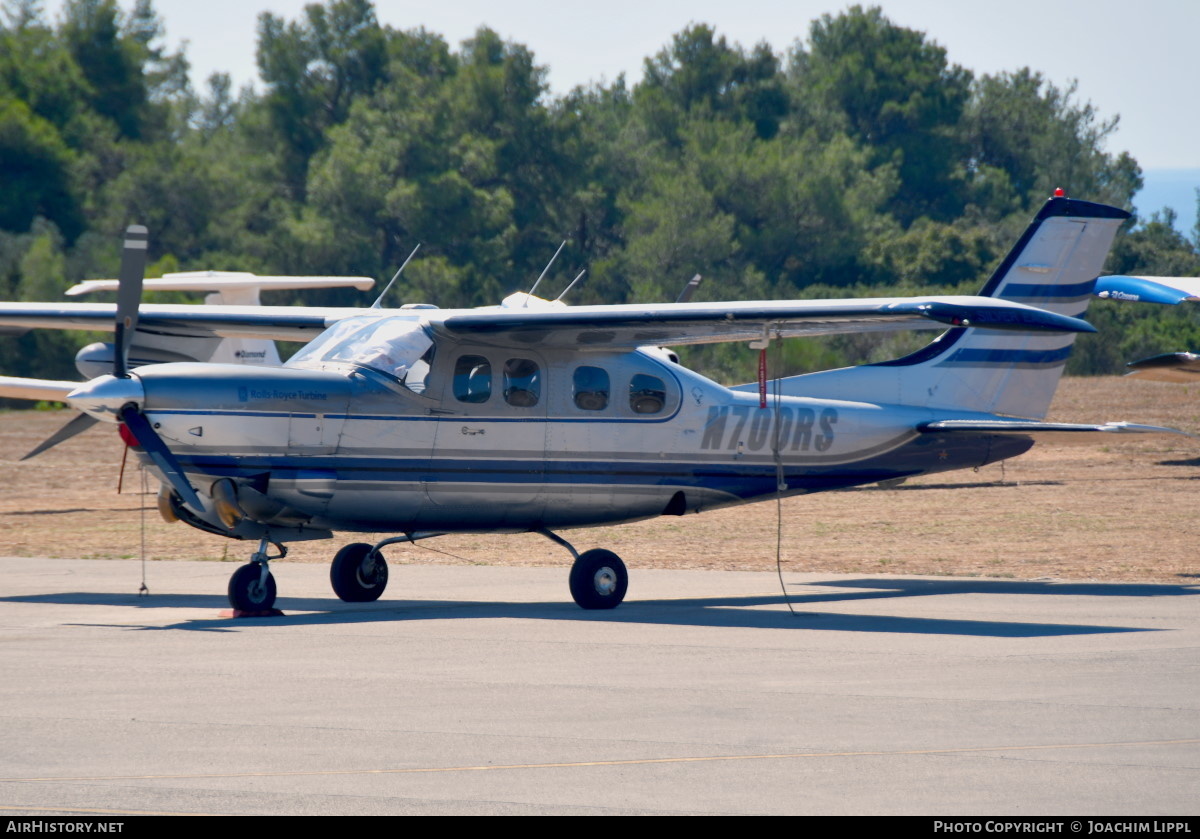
column 1180, row 367
column 534, row 416
column 221, row 288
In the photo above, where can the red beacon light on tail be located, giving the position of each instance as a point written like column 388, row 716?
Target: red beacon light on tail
column 1060, row 193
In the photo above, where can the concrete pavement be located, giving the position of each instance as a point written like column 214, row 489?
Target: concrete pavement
column 484, row 690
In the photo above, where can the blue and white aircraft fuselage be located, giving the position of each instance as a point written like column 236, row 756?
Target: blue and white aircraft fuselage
column 352, row 450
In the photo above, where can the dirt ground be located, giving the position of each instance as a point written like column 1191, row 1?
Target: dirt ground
column 1110, row 509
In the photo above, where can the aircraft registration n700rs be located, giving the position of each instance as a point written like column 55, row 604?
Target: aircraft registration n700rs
column 535, row 416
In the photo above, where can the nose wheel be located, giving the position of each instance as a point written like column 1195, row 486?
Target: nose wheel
column 252, row 588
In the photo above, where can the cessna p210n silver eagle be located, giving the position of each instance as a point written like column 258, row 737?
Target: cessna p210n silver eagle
column 534, row 416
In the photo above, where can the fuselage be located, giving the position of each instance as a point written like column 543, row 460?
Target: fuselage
column 488, row 438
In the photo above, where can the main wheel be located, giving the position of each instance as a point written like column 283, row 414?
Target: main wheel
column 599, row 580
column 247, row 591
column 359, row 573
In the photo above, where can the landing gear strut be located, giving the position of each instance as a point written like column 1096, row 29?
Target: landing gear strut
column 252, row 588
column 598, row 577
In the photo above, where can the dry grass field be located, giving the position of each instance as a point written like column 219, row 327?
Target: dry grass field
column 1110, row 509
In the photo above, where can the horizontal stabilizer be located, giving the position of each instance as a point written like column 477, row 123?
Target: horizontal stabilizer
column 1060, row 432
column 1178, row 367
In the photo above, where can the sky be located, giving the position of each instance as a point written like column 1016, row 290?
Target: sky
column 1135, row 60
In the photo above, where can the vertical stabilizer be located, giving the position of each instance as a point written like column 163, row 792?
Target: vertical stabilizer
column 1053, row 266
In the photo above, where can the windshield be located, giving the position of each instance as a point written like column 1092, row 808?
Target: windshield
column 396, row 346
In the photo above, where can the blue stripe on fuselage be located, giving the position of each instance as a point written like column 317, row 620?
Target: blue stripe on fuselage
column 925, row 454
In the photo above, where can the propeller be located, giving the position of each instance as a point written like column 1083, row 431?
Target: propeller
column 120, row 397
column 78, row 424
column 129, row 295
column 149, row 440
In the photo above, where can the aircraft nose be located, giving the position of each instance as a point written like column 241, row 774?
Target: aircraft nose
column 103, row 397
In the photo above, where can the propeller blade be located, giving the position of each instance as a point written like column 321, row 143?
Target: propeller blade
column 129, row 295
column 81, row 422
column 685, row 296
column 149, row 440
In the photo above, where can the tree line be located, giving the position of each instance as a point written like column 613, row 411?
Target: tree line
column 860, row 161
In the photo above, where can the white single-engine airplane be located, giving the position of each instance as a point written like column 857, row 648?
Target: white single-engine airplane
column 533, row 416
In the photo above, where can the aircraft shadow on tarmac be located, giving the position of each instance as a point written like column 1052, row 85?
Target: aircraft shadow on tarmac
column 733, row 611
column 1191, row 461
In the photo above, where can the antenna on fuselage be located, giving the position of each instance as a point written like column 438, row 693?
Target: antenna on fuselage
column 396, row 276
column 544, row 270
column 688, row 290
column 571, row 286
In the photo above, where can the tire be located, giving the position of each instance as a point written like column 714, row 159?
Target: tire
column 247, row 593
column 599, row 580
column 358, row 574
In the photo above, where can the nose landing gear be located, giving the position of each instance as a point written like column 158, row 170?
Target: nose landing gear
column 252, row 588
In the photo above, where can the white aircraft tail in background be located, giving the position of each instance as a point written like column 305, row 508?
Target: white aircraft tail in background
column 224, row 288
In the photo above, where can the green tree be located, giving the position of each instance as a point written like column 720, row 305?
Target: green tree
column 1041, row 138
column 895, row 93
column 35, row 169
column 314, row 69
column 700, row 70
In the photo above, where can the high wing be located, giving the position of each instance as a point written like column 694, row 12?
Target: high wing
column 703, row 323
column 630, row 325
column 1168, row 290
column 281, row 323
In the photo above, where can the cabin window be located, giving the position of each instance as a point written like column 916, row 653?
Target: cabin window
column 522, row 382
column 472, row 379
column 647, row 394
column 591, row 388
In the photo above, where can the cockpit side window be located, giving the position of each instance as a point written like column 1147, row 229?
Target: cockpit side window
column 472, row 379
column 647, row 394
column 397, row 347
column 522, row 382
column 591, row 388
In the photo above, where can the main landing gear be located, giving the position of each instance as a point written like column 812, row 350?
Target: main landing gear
column 598, row 578
column 359, row 573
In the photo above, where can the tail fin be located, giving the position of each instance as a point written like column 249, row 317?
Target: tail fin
column 1053, row 266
